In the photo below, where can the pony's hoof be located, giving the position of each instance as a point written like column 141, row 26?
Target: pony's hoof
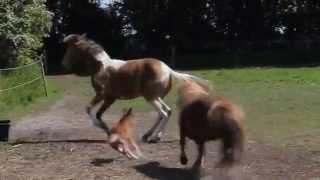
column 183, row 160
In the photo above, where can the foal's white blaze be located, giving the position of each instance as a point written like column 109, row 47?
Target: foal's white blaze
column 166, row 72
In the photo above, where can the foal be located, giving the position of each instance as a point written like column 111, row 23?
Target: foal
column 204, row 118
column 114, row 79
column 122, row 138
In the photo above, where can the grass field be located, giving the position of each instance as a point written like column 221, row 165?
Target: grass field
column 18, row 101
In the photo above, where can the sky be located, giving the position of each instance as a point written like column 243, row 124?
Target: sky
column 104, row 2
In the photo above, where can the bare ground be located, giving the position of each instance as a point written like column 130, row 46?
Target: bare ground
column 61, row 143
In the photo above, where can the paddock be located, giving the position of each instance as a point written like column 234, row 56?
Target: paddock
column 62, row 144
column 65, row 145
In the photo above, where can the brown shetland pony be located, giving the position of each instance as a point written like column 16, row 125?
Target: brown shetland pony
column 204, row 118
column 114, row 79
column 122, row 137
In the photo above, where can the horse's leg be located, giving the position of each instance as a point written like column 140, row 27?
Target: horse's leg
column 183, row 156
column 98, row 121
column 163, row 124
column 165, row 106
column 146, row 136
column 162, row 115
column 97, row 98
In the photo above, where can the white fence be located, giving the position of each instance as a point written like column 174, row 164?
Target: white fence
column 23, row 72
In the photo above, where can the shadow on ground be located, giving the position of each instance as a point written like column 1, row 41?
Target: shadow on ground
column 100, row 162
column 155, row 170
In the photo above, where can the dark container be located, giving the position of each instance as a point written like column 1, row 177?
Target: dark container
column 4, row 130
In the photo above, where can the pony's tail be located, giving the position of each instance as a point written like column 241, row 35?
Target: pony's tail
column 233, row 135
column 233, row 144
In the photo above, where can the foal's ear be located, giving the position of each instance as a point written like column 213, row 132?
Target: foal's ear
column 127, row 112
column 124, row 110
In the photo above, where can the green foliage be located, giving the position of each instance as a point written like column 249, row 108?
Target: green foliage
column 23, row 24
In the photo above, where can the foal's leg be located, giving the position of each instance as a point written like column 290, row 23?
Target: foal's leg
column 162, row 115
column 98, row 121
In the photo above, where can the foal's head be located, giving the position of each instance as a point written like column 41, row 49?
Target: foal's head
column 121, row 138
column 80, row 56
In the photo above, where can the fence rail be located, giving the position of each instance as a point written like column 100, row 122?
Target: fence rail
column 22, row 84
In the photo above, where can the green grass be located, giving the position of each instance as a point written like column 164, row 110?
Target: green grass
column 18, row 101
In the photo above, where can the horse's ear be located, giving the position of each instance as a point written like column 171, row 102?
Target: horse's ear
column 83, row 35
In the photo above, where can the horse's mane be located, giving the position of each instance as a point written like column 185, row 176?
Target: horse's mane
column 84, row 43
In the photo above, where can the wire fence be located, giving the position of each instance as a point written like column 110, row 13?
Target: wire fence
column 22, row 84
column 27, row 74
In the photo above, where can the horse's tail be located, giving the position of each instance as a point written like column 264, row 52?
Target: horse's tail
column 188, row 77
column 185, row 76
column 233, row 135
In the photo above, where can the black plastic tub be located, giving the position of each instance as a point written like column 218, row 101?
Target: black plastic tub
column 4, row 130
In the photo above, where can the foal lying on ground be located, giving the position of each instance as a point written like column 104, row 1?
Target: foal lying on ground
column 204, row 118
column 122, row 138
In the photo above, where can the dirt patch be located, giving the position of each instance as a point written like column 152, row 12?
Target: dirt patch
column 63, row 144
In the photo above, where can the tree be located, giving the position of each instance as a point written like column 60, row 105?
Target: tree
column 81, row 16
column 23, row 24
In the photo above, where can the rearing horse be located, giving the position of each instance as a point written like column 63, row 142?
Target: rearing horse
column 114, row 79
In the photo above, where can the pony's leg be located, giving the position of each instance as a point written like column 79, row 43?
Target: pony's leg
column 162, row 115
column 98, row 121
column 200, row 158
column 183, row 156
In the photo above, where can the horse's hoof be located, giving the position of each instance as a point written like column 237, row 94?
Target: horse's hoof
column 145, row 138
column 154, row 140
column 183, row 160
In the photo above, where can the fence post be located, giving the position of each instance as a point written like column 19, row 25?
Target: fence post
column 44, row 79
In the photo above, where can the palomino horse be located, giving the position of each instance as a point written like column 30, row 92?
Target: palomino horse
column 114, row 79
column 204, row 118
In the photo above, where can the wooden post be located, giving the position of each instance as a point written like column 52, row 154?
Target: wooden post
column 44, row 79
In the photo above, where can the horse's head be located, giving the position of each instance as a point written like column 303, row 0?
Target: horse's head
column 121, row 138
column 79, row 57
